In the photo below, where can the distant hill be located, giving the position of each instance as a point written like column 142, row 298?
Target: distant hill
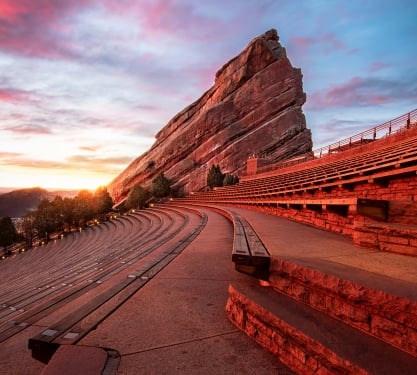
column 17, row 202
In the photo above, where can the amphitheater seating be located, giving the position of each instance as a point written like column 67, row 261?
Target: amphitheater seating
column 108, row 262
column 137, row 260
column 394, row 159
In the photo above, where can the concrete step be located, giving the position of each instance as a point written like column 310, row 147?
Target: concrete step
column 309, row 341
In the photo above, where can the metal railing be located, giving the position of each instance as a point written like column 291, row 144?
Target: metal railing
column 381, row 131
column 384, row 130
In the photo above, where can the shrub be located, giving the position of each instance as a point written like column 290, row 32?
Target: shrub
column 137, row 197
column 230, row 179
column 161, row 186
column 215, row 177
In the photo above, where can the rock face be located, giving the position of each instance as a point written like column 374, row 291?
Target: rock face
column 254, row 107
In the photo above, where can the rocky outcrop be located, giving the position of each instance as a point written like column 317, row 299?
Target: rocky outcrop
column 254, row 107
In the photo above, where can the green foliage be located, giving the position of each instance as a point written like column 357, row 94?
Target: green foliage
column 47, row 218
column 137, row 197
column 60, row 215
column 103, row 201
column 215, row 177
column 161, row 186
column 230, row 179
column 29, row 228
column 84, row 207
column 8, row 234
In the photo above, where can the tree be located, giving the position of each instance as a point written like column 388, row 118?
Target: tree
column 46, row 218
column 8, row 233
column 84, row 209
column 230, row 179
column 137, row 197
column 103, row 200
column 29, row 228
column 215, row 176
column 161, row 186
column 69, row 213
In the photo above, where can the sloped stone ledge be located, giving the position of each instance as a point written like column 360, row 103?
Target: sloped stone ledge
column 387, row 317
column 292, row 347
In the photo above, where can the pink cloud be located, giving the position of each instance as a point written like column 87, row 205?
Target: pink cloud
column 177, row 19
column 6, row 156
column 13, row 95
column 377, row 66
column 37, row 28
column 333, row 42
column 356, row 92
column 327, row 43
column 302, row 42
column 29, row 129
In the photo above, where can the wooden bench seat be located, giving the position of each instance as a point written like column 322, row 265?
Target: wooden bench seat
column 249, row 255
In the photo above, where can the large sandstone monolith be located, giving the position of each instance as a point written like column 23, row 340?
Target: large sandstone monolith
column 254, row 107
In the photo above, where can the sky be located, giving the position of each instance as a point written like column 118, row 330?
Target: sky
column 86, row 84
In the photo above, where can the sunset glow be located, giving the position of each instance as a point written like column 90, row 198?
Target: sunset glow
column 86, row 84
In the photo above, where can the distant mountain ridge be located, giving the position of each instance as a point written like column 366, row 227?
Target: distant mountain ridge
column 17, row 202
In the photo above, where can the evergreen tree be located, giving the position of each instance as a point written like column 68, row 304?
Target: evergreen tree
column 84, row 207
column 29, row 228
column 103, row 201
column 161, row 186
column 45, row 221
column 8, row 233
column 215, row 176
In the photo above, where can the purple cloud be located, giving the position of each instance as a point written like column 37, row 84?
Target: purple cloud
column 13, row 95
column 376, row 66
column 362, row 92
column 29, row 129
column 38, row 28
column 328, row 43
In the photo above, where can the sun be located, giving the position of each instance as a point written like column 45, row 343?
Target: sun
column 51, row 179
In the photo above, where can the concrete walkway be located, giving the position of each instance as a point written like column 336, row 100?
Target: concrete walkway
column 335, row 255
column 177, row 324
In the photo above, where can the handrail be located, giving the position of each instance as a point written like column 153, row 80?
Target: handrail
column 381, row 131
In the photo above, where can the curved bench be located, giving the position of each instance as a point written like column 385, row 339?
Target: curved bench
column 249, row 254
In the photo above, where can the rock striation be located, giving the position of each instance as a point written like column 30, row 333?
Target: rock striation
column 253, row 108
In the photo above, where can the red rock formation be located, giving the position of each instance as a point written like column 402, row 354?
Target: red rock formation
column 253, row 107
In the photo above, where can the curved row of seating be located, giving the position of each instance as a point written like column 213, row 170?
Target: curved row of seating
column 395, row 158
column 46, row 278
column 58, row 265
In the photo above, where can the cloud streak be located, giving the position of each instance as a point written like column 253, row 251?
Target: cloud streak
column 40, row 28
column 13, row 95
column 363, row 92
column 29, row 130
